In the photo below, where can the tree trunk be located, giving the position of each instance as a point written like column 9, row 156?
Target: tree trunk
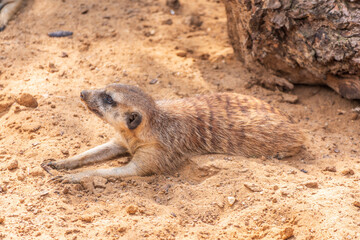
column 303, row 41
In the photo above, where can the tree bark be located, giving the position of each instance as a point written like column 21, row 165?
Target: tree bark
column 303, row 41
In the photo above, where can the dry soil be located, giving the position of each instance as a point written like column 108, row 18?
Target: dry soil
column 170, row 54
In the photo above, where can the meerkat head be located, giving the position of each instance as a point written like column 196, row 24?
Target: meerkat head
column 122, row 106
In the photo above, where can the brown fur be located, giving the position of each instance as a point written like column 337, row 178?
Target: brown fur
column 226, row 123
column 161, row 135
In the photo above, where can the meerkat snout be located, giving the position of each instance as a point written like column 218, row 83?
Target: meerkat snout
column 83, row 95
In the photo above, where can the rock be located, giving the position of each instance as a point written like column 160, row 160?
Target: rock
column 287, row 233
column 3, row 189
column 154, row 81
column 285, row 193
column 13, row 164
column 64, row 55
column 167, row 22
column 354, row 116
column 2, row 220
column 181, row 53
column 66, row 190
column 52, row 68
column 37, row 172
column 87, row 184
column 194, row 21
column 289, row 98
column 356, row 204
column 330, row 169
column 348, row 172
column 341, row 112
column 132, row 209
column 173, row 4
column 252, row 187
column 312, row 185
column 27, row 100
column 99, row 182
column 44, row 193
column 31, row 127
column 87, row 218
column 204, row 56
column 21, row 176
column 231, row 200
column 5, row 104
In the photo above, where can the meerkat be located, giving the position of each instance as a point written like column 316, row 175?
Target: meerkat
column 7, row 9
column 160, row 135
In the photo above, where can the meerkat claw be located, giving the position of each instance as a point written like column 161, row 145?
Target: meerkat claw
column 46, row 165
column 56, row 179
column 68, row 178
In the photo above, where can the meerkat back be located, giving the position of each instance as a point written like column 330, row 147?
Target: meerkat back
column 234, row 124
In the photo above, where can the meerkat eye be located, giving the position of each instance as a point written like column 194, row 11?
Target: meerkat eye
column 108, row 99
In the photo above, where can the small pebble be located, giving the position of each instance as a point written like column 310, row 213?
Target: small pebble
column 341, row 112
column 287, row 233
column 27, row 100
column 153, row 81
column 173, row 4
column 44, row 193
column 354, row 116
column 204, row 56
column 356, row 204
column 303, row 170
column 2, row 220
column 13, row 164
column 252, row 187
column 87, row 219
column 66, row 190
column 181, row 54
column 99, row 182
column 167, row 22
column 348, row 172
column 132, row 209
column 194, row 20
column 60, row 34
column 312, row 185
column 330, row 169
column 231, row 201
column 3, row 189
column 289, row 98
column 21, row 176
column 37, row 172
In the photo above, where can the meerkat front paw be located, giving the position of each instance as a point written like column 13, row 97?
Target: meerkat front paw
column 69, row 178
column 57, row 165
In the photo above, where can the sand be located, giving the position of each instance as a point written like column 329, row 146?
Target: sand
column 314, row 195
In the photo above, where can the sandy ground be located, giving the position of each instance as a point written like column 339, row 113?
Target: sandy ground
column 311, row 196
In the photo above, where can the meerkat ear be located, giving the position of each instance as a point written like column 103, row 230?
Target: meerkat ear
column 133, row 120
